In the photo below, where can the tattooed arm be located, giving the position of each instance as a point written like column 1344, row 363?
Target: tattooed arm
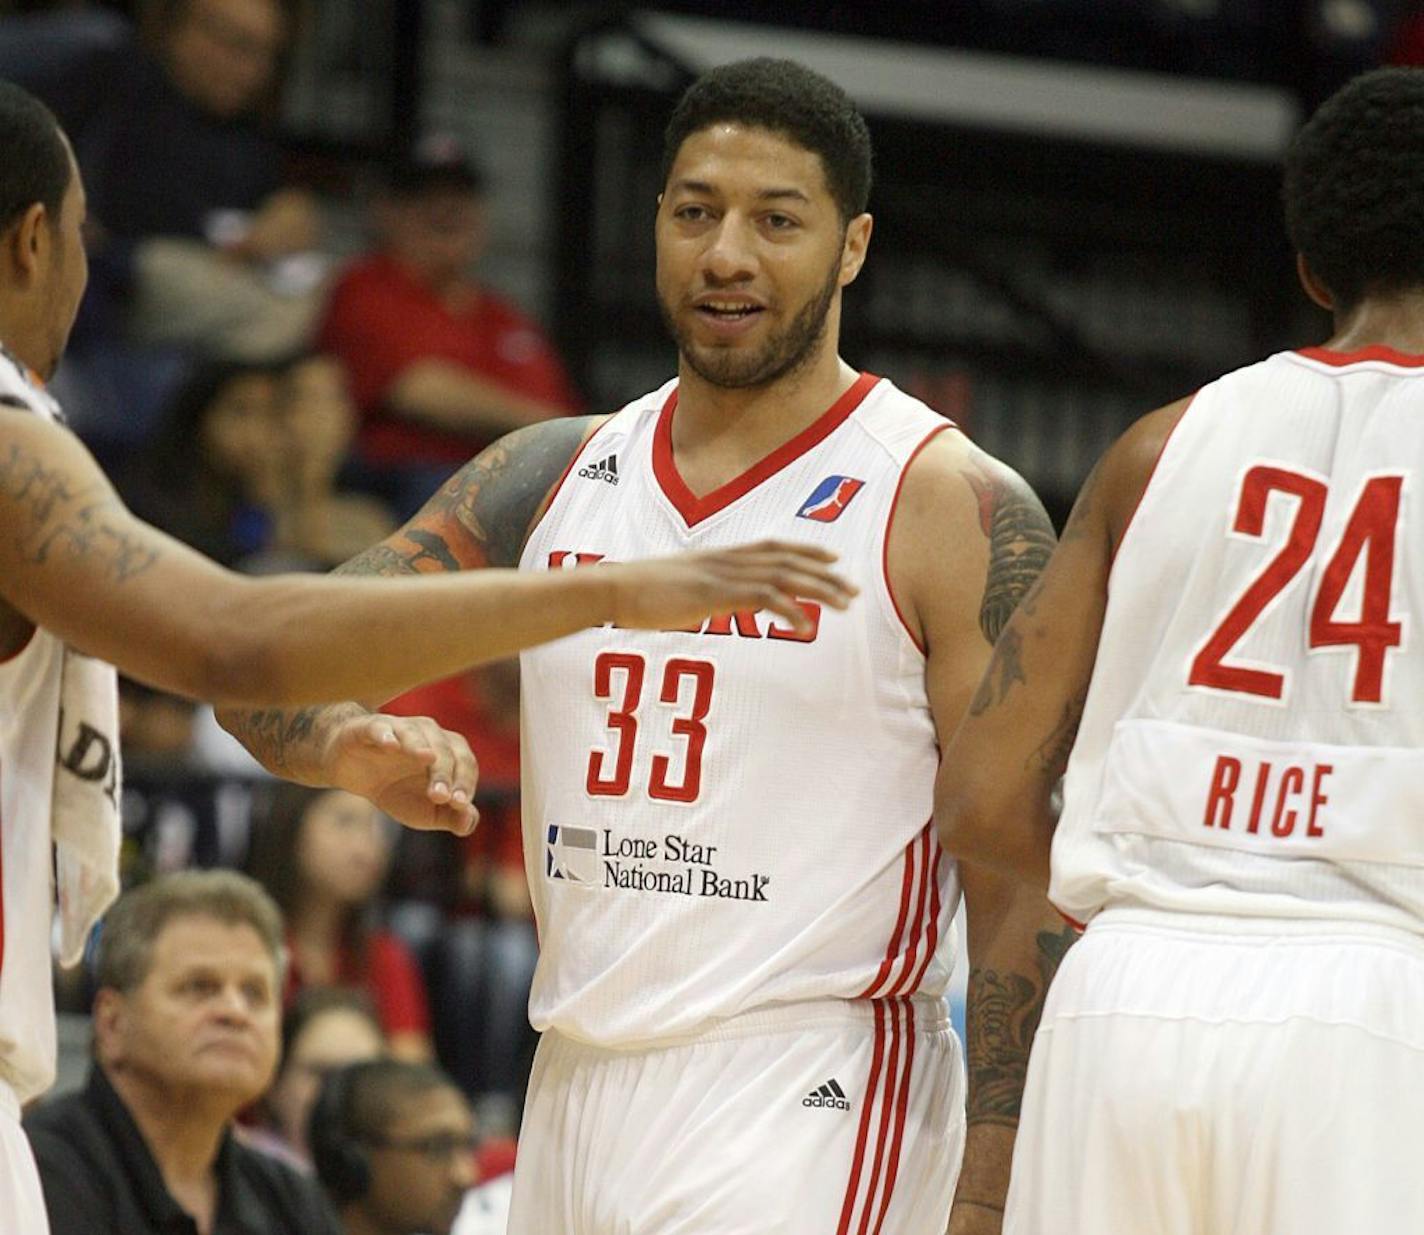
column 993, row 802
column 968, row 543
column 479, row 518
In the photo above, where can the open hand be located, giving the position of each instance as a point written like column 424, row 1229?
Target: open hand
column 670, row 592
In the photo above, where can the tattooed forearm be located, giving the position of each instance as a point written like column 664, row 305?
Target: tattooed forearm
column 270, row 734
column 1050, row 757
column 58, row 520
column 1020, row 542
column 1005, row 668
column 1003, row 1011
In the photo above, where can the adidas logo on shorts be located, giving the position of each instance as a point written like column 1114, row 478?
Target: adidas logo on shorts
column 604, row 469
column 830, row 1094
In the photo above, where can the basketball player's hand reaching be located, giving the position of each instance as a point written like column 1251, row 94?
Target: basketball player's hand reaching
column 670, row 592
column 418, row 773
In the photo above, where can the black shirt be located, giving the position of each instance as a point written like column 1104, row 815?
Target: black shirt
column 99, row 1177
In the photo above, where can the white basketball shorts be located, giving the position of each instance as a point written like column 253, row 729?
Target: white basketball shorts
column 22, row 1207
column 835, row 1117
column 1236, row 1076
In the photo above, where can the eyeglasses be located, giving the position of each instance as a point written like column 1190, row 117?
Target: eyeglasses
column 436, row 1146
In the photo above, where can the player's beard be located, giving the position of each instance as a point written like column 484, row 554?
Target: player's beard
column 784, row 352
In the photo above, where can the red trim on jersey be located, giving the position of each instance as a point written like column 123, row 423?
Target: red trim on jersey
column 1376, row 351
column 907, row 888
column 1147, row 484
column 902, row 1107
column 1080, row 927
column 5, row 660
column 934, row 920
column 922, row 928
column 857, row 1160
column 559, row 484
column 890, row 522
column 887, row 1103
column 694, row 509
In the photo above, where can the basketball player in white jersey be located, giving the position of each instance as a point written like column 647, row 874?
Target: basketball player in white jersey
column 744, row 914
column 76, row 568
column 1230, row 628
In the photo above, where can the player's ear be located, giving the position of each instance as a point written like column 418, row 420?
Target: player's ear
column 854, row 247
column 1314, row 288
column 27, row 242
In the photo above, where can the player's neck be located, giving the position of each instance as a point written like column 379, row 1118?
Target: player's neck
column 719, row 432
column 19, row 338
column 1395, row 322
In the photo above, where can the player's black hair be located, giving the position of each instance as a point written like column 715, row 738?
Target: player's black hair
column 34, row 161
column 1354, row 187
column 789, row 99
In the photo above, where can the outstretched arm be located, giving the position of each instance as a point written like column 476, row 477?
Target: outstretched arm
column 969, row 542
column 79, row 564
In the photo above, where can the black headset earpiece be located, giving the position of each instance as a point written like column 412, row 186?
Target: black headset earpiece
column 340, row 1160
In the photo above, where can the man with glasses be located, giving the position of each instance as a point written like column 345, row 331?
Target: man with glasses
column 394, row 1145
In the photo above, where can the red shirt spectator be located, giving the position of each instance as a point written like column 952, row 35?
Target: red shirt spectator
column 389, row 976
column 382, row 320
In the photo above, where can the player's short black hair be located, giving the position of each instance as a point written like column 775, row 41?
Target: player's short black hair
column 1354, row 187
column 34, row 160
column 789, row 99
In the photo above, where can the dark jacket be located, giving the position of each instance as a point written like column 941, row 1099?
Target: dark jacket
column 99, row 1177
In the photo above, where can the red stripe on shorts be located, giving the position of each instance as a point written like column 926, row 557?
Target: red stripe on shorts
column 867, row 1102
column 887, row 1102
column 902, row 1108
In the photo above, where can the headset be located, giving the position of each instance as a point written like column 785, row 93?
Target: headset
column 340, row 1160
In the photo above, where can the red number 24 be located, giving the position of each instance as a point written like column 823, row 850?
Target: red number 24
column 1370, row 530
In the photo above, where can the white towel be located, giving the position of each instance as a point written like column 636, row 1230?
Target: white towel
column 85, row 822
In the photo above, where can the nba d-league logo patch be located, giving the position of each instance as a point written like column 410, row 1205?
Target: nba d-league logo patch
column 571, row 854
column 830, row 498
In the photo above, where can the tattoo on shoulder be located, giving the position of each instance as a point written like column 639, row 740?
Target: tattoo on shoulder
column 482, row 514
column 1003, row 1012
column 60, row 520
column 1020, row 542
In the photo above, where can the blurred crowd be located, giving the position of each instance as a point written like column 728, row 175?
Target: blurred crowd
column 281, row 402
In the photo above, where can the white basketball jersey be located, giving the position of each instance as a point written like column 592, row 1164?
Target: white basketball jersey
column 737, row 815
column 1251, row 742
column 29, row 725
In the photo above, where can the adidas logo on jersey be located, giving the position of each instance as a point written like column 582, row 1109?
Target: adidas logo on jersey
column 829, row 1095
column 604, row 469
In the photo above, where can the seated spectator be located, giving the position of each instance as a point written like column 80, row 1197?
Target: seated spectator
column 323, row 1030
column 323, row 854
column 191, row 219
column 318, row 525
column 440, row 366
column 185, row 1036
column 394, row 1146
column 213, row 476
